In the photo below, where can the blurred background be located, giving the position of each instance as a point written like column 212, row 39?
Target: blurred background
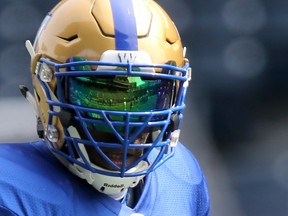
column 236, row 122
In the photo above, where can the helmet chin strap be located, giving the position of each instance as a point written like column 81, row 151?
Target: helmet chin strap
column 115, row 187
column 31, row 99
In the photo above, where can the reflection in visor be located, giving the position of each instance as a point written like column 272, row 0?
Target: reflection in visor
column 120, row 93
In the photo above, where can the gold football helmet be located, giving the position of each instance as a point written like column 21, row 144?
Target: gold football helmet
column 110, row 78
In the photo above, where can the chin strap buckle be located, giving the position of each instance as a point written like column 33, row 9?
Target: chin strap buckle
column 26, row 93
column 174, row 138
column 174, row 129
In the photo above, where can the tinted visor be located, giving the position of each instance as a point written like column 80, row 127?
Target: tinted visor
column 120, row 93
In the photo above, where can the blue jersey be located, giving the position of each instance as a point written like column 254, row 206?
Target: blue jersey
column 33, row 182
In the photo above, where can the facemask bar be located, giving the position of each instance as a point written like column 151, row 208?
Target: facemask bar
column 160, row 148
column 125, row 145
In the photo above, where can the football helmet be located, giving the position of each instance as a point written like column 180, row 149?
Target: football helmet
column 109, row 79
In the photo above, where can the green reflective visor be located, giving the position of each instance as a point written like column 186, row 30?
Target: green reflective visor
column 120, row 93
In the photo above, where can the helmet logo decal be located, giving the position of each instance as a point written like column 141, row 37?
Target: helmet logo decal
column 114, row 185
column 127, row 57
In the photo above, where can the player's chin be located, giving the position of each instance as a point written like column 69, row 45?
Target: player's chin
column 115, row 160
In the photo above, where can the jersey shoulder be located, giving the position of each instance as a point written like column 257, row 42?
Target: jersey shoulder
column 34, row 182
column 185, row 165
column 183, row 177
column 30, row 178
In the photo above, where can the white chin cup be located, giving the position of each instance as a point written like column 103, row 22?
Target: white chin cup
column 115, row 187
